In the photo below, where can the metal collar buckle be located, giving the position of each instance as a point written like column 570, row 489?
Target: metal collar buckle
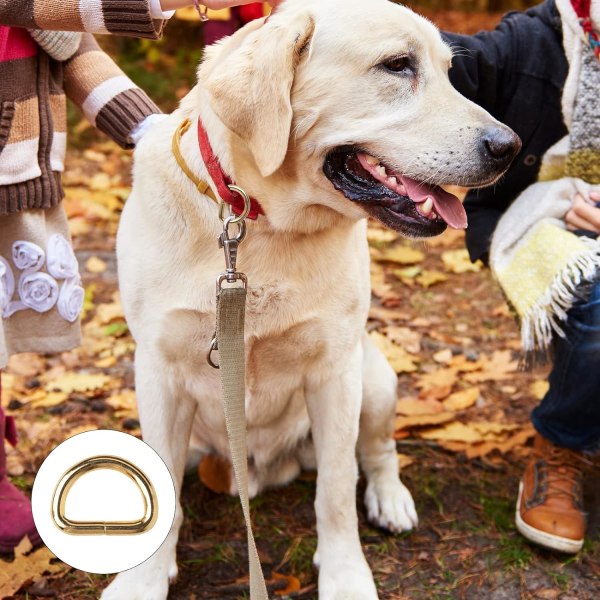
column 115, row 463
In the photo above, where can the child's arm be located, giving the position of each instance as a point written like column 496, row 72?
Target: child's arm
column 137, row 18
column 107, row 97
column 123, row 17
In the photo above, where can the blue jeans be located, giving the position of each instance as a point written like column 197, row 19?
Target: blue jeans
column 569, row 414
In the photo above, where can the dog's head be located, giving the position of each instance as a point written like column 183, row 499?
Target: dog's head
column 344, row 106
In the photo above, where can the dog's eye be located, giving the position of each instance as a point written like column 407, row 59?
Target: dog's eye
column 399, row 64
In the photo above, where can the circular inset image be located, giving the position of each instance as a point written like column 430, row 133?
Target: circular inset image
column 103, row 501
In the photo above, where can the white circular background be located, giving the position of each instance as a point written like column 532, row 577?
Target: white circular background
column 104, row 495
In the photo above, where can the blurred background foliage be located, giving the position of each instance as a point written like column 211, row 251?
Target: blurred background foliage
column 166, row 69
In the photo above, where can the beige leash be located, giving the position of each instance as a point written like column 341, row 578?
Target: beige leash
column 230, row 337
column 229, row 341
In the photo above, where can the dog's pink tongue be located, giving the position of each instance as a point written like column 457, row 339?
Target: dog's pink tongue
column 447, row 205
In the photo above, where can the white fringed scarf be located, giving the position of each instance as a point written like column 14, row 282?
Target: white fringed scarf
column 541, row 267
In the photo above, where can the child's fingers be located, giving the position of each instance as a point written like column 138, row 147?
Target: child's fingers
column 574, row 221
column 217, row 4
column 583, row 215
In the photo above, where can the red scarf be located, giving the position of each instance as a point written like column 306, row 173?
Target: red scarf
column 15, row 44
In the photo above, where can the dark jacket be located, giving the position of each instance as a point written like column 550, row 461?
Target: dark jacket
column 517, row 73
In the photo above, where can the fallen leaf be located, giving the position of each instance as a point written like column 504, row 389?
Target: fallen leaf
column 428, row 278
column 539, row 388
column 423, row 420
column 124, row 403
column 443, row 357
column 82, row 429
column 414, row 406
column 379, row 286
column 108, row 313
column 462, row 364
column 79, row 226
column 49, row 399
column 438, row 392
column 407, row 338
column 27, row 364
column 26, row 568
column 105, row 363
column 462, row 399
column 402, row 255
column 498, row 367
column 380, row 313
column 458, row 261
column 78, row 382
column 502, row 310
column 116, row 329
column 293, row 584
column 215, row 473
column 407, row 275
column 404, row 461
column 95, row 265
column 88, row 300
column 379, row 237
column 479, row 450
column 400, row 360
column 547, row 593
column 450, row 237
column 440, row 378
column 100, row 181
column 468, row 432
column 491, row 428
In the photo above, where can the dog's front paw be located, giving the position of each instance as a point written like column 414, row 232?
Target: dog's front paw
column 348, row 580
column 141, row 583
column 390, row 505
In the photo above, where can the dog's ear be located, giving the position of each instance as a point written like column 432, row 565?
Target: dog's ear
column 251, row 88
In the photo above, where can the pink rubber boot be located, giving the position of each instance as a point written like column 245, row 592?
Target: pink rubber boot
column 16, row 520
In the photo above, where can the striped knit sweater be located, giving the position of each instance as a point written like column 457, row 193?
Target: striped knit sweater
column 33, row 90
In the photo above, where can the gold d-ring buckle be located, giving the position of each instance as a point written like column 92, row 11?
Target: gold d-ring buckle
column 115, row 463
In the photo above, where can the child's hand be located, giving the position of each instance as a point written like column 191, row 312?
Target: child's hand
column 585, row 213
column 215, row 4
column 227, row 3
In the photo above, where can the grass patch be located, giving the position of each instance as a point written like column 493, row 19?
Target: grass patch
column 499, row 511
column 299, row 555
column 514, row 552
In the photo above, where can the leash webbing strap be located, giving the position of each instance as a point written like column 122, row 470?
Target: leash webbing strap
column 231, row 304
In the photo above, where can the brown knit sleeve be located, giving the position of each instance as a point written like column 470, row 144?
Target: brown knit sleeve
column 123, row 17
column 107, row 97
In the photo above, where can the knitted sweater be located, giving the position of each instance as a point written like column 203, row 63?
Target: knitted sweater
column 32, row 91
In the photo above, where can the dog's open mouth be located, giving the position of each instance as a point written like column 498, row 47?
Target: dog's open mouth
column 411, row 207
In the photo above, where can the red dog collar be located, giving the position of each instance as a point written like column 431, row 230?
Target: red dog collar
column 221, row 180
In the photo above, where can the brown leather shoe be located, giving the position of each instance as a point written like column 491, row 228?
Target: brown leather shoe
column 550, row 505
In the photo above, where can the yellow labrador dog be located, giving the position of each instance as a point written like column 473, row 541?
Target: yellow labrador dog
column 329, row 111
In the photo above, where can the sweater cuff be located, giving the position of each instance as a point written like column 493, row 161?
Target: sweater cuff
column 120, row 117
column 133, row 18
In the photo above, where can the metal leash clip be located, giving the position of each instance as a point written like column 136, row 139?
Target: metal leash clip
column 115, row 463
column 230, row 247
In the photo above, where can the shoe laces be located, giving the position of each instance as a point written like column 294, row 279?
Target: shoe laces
column 561, row 472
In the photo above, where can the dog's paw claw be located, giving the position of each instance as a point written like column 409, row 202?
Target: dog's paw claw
column 390, row 506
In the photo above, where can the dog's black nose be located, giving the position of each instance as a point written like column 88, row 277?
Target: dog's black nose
column 501, row 143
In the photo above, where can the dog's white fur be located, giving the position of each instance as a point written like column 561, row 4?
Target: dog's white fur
column 274, row 99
